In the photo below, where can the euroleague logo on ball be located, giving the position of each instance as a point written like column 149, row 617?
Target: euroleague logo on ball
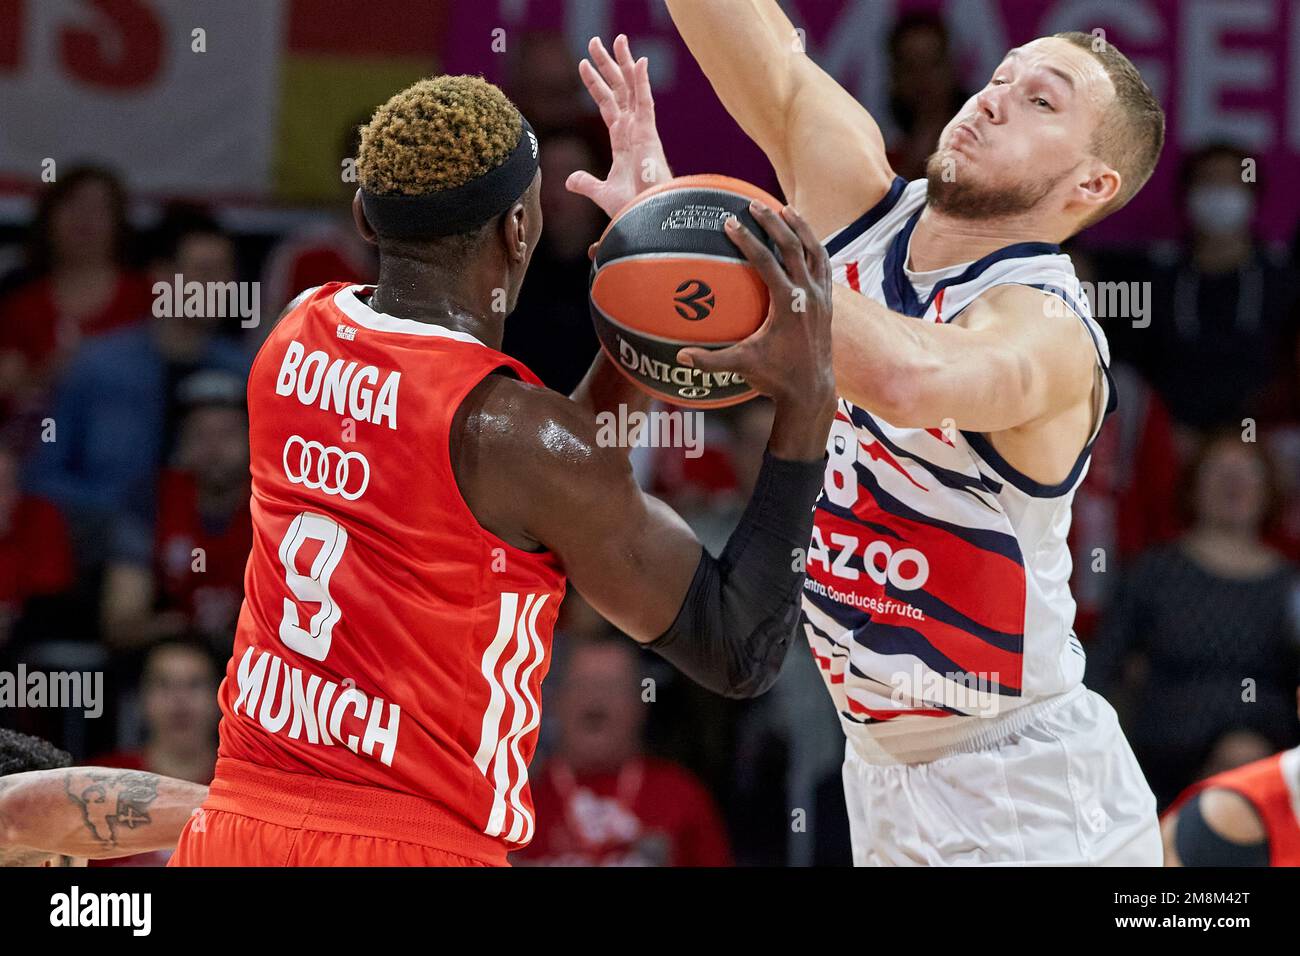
column 694, row 300
column 666, row 276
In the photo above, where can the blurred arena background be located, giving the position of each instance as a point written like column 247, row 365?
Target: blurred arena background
column 145, row 139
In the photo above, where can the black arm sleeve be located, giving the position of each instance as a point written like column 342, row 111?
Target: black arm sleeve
column 735, row 625
column 1199, row 845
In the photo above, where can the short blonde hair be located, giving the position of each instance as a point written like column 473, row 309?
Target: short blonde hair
column 437, row 134
column 1131, row 133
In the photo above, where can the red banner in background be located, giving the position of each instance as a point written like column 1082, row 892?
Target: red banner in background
column 178, row 102
column 261, row 112
column 1223, row 69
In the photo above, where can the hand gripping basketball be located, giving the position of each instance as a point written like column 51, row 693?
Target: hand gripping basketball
column 789, row 356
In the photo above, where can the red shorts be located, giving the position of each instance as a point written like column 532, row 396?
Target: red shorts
column 259, row 817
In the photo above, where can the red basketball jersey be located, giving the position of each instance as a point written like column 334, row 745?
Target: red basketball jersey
column 386, row 638
column 1272, row 787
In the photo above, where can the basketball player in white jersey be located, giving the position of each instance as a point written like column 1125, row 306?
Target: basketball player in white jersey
column 973, row 381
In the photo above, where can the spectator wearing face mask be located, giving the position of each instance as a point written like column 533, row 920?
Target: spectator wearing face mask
column 1223, row 307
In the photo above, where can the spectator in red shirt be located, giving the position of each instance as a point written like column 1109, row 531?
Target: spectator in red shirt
column 79, row 285
column 599, row 800
column 178, row 701
column 35, row 556
column 186, row 574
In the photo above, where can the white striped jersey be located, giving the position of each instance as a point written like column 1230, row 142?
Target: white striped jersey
column 937, row 593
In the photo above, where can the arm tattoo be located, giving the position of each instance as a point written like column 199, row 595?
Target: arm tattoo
column 111, row 800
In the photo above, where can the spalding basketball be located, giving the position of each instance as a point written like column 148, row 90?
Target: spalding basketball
column 665, row 276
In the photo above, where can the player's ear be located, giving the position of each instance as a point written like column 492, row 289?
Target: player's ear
column 523, row 223
column 359, row 217
column 515, row 229
column 1100, row 185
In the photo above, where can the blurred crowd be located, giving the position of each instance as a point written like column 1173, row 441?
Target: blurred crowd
column 124, row 513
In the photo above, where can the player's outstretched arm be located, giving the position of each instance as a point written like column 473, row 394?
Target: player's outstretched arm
column 620, row 87
column 94, row 812
column 724, row 621
column 827, row 151
column 1014, row 356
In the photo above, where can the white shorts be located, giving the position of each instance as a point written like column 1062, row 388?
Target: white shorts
column 1064, row 789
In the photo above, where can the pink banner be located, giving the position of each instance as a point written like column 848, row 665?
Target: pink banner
column 1223, row 69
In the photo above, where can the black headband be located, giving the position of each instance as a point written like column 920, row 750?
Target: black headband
column 461, row 208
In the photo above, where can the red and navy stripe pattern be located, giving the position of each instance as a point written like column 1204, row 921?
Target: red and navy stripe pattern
column 965, row 621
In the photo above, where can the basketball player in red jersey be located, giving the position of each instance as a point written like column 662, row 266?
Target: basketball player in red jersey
column 419, row 501
column 1247, row 816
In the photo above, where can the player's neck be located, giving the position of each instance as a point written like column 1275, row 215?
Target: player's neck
column 460, row 301
column 941, row 240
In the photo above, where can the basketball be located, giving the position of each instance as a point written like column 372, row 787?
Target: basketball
column 665, row 276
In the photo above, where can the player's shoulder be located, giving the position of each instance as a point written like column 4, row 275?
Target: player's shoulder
column 530, row 429
column 299, row 299
column 300, row 311
column 525, row 456
column 1036, row 284
column 1021, row 306
column 1231, row 815
column 311, row 301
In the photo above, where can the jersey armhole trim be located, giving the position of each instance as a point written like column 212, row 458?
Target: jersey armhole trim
column 838, row 240
column 1018, row 479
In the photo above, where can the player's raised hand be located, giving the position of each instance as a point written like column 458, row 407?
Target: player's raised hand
column 789, row 357
column 620, row 87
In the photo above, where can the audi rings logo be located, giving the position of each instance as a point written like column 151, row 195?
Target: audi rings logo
column 329, row 469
